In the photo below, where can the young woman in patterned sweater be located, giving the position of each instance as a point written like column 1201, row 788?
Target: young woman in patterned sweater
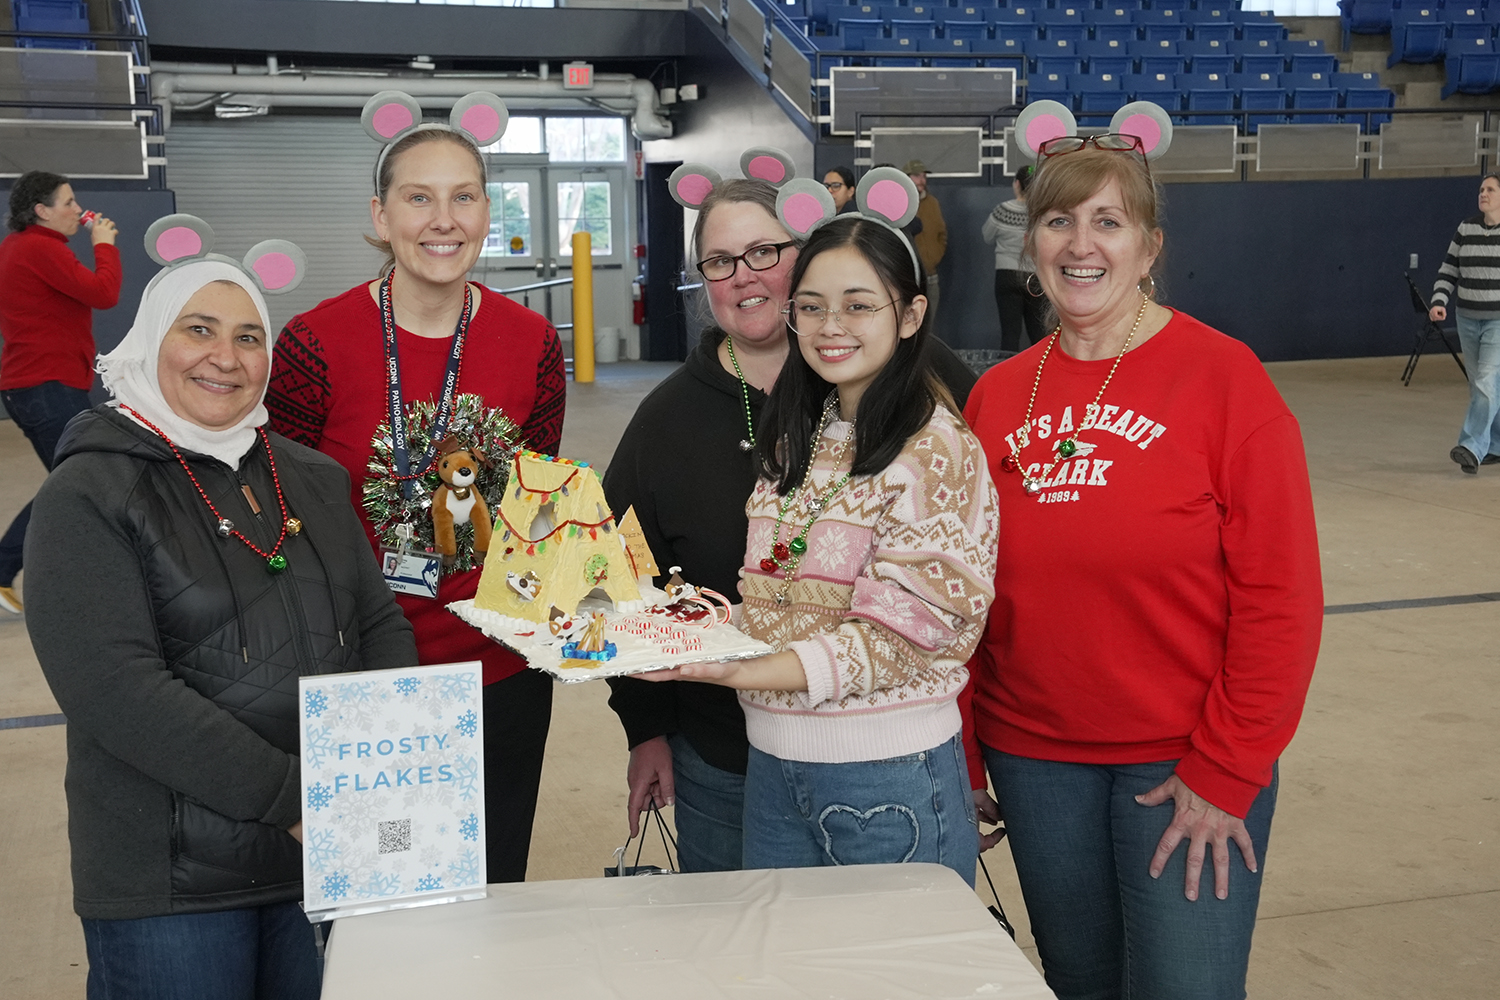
column 872, row 540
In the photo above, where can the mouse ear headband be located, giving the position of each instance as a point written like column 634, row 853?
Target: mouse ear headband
column 692, row 183
column 1046, row 120
column 390, row 115
column 884, row 195
column 275, row 266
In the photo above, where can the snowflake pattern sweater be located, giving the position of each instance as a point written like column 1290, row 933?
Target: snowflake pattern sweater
column 328, row 392
column 1161, row 598
column 888, row 603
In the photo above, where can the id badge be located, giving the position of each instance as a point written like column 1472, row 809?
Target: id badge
column 414, row 573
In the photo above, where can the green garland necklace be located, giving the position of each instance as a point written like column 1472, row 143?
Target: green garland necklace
column 788, row 555
column 746, row 443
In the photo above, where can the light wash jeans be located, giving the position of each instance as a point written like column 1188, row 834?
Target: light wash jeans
column 709, row 811
column 1481, row 345
column 1105, row 929
column 912, row 808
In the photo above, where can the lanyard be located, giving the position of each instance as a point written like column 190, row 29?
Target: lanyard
column 399, row 454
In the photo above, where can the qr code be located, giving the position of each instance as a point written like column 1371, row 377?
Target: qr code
column 395, row 836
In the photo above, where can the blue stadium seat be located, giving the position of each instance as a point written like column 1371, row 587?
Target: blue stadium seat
column 1268, row 63
column 1158, row 57
column 865, row 11
column 1025, row 34
column 1302, row 47
column 826, row 12
column 1362, row 81
column 913, row 12
column 1254, row 31
column 966, row 13
column 1207, row 92
column 1308, row 81
column 1071, row 32
column 1206, row 32
column 1059, row 65
column 999, row 47
column 856, row 30
column 1473, row 67
column 1092, row 47
column 1311, row 63
column 1065, row 13
column 1116, row 21
column 1224, row 7
column 1022, row 13
column 1055, row 47
column 1159, row 88
column 1357, row 99
column 1099, row 97
column 1125, row 4
column 1314, row 99
column 1173, row 5
column 69, row 16
column 902, row 28
column 1417, row 35
column 1052, row 87
column 1116, row 32
column 972, row 31
column 1366, row 17
column 1261, row 92
column 944, row 46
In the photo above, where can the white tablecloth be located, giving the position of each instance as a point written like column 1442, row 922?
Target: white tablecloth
column 874, row 932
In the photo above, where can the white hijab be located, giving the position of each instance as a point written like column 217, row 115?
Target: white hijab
column 129, row 371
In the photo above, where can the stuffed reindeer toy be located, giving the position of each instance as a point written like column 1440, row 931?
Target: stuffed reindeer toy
column 458, row 501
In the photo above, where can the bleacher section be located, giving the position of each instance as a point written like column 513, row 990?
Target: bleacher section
column 1206, row 59
column 1461, row 34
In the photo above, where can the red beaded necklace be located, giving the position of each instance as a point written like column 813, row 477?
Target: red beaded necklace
column 275, row 562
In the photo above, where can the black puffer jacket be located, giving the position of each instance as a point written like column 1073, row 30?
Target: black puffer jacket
column 175, row 656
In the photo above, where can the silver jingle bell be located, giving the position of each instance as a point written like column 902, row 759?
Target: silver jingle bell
column 1033, row 487
column 745, row 445
column 225, row 528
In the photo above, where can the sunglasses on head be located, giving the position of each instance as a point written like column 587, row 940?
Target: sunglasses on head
column 1113, row 142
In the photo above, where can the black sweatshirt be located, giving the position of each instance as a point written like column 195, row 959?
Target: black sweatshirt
column 680, row 465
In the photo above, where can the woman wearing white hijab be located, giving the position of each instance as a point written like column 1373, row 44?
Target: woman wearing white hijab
column 189, row 566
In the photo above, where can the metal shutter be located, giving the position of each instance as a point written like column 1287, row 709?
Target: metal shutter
column 304, row 179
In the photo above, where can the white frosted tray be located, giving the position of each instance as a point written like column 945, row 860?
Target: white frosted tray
column 636, row 654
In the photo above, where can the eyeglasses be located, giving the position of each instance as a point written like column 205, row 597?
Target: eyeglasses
column 761, row 258
column 855, row 319
column 834, row 185
column 1113, row 142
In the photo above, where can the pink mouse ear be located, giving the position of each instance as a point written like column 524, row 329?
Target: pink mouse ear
column 482, row 116
column 1040, row 121
column 767, row 163
column 178, row 237
column 278, row 266
column 887, row 194
column 1149, row 122
column 691, row 183
column 803, row 205
column 388, row 114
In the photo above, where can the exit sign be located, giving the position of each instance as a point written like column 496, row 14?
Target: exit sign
column 578, row 76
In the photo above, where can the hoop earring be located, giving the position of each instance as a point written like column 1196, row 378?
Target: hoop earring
column 1039, row 292
column 1152, row 293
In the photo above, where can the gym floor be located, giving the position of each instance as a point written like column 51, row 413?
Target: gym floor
column 1383, row 875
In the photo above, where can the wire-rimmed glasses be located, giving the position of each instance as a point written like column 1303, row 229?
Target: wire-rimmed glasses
column 757, row 258
column 807, row 317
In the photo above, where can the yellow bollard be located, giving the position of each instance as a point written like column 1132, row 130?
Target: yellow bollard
column 583, row 308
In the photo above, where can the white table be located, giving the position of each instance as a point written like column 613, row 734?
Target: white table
column 874, row 932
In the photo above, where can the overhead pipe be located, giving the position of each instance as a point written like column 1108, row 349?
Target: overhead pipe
column 180, row 86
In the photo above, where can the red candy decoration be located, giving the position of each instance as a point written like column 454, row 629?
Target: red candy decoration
column 769, row 565
column 781, row 552
column 1009, row 463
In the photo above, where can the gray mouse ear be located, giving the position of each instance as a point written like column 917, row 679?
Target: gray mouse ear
column 691, row 183
column 277, row 266
column 769, row 164
column 480, row 115
column 803, row 205
column 1148, row 122
column 388, row 114
column 178, row 237
column 1043, row 120
column 887, row 194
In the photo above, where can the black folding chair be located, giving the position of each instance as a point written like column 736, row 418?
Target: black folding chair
column 1428, row 332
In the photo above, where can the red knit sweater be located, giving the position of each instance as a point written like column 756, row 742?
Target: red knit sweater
column 1161, row 598
column 47, row 303
column 328, row 392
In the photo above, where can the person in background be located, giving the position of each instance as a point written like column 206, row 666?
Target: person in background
column 330, row 390
column 931, row 237
column 840, row 184
column 47, row 299
column 1158, row 604
column 1467, row 275
column 1019, row 309
column 186, row 569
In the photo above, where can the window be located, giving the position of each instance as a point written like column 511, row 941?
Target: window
column 510, row 219
column 583, row 206
column 522, row 135
column 586, row 140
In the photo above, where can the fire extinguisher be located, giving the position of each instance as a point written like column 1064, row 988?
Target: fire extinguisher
column 638, row 301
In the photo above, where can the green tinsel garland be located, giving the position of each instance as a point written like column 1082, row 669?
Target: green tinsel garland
column 473, row 425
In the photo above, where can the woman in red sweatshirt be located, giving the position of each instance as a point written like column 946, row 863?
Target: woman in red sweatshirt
column 1158, row 604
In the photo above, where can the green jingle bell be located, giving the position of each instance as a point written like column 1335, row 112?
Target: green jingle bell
column 1067, row 447
column 798, row 546
column 276, row 564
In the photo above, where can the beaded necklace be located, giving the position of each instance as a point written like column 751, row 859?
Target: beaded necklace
column 1066, row 447
column 746, row 443
column 788, row 555
column 275, row 562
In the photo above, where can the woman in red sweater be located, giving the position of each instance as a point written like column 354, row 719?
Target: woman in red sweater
column 1158, row 603
column 332, row 386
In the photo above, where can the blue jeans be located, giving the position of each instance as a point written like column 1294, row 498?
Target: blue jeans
column 41, row 412
column 709, row 813
column 1103, row 926
column 260, row 953
column 1481, row 344
column 912, row 808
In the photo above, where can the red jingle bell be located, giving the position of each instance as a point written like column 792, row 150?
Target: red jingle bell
column 1009, row 463
column 781, row 552
column 769, row 565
